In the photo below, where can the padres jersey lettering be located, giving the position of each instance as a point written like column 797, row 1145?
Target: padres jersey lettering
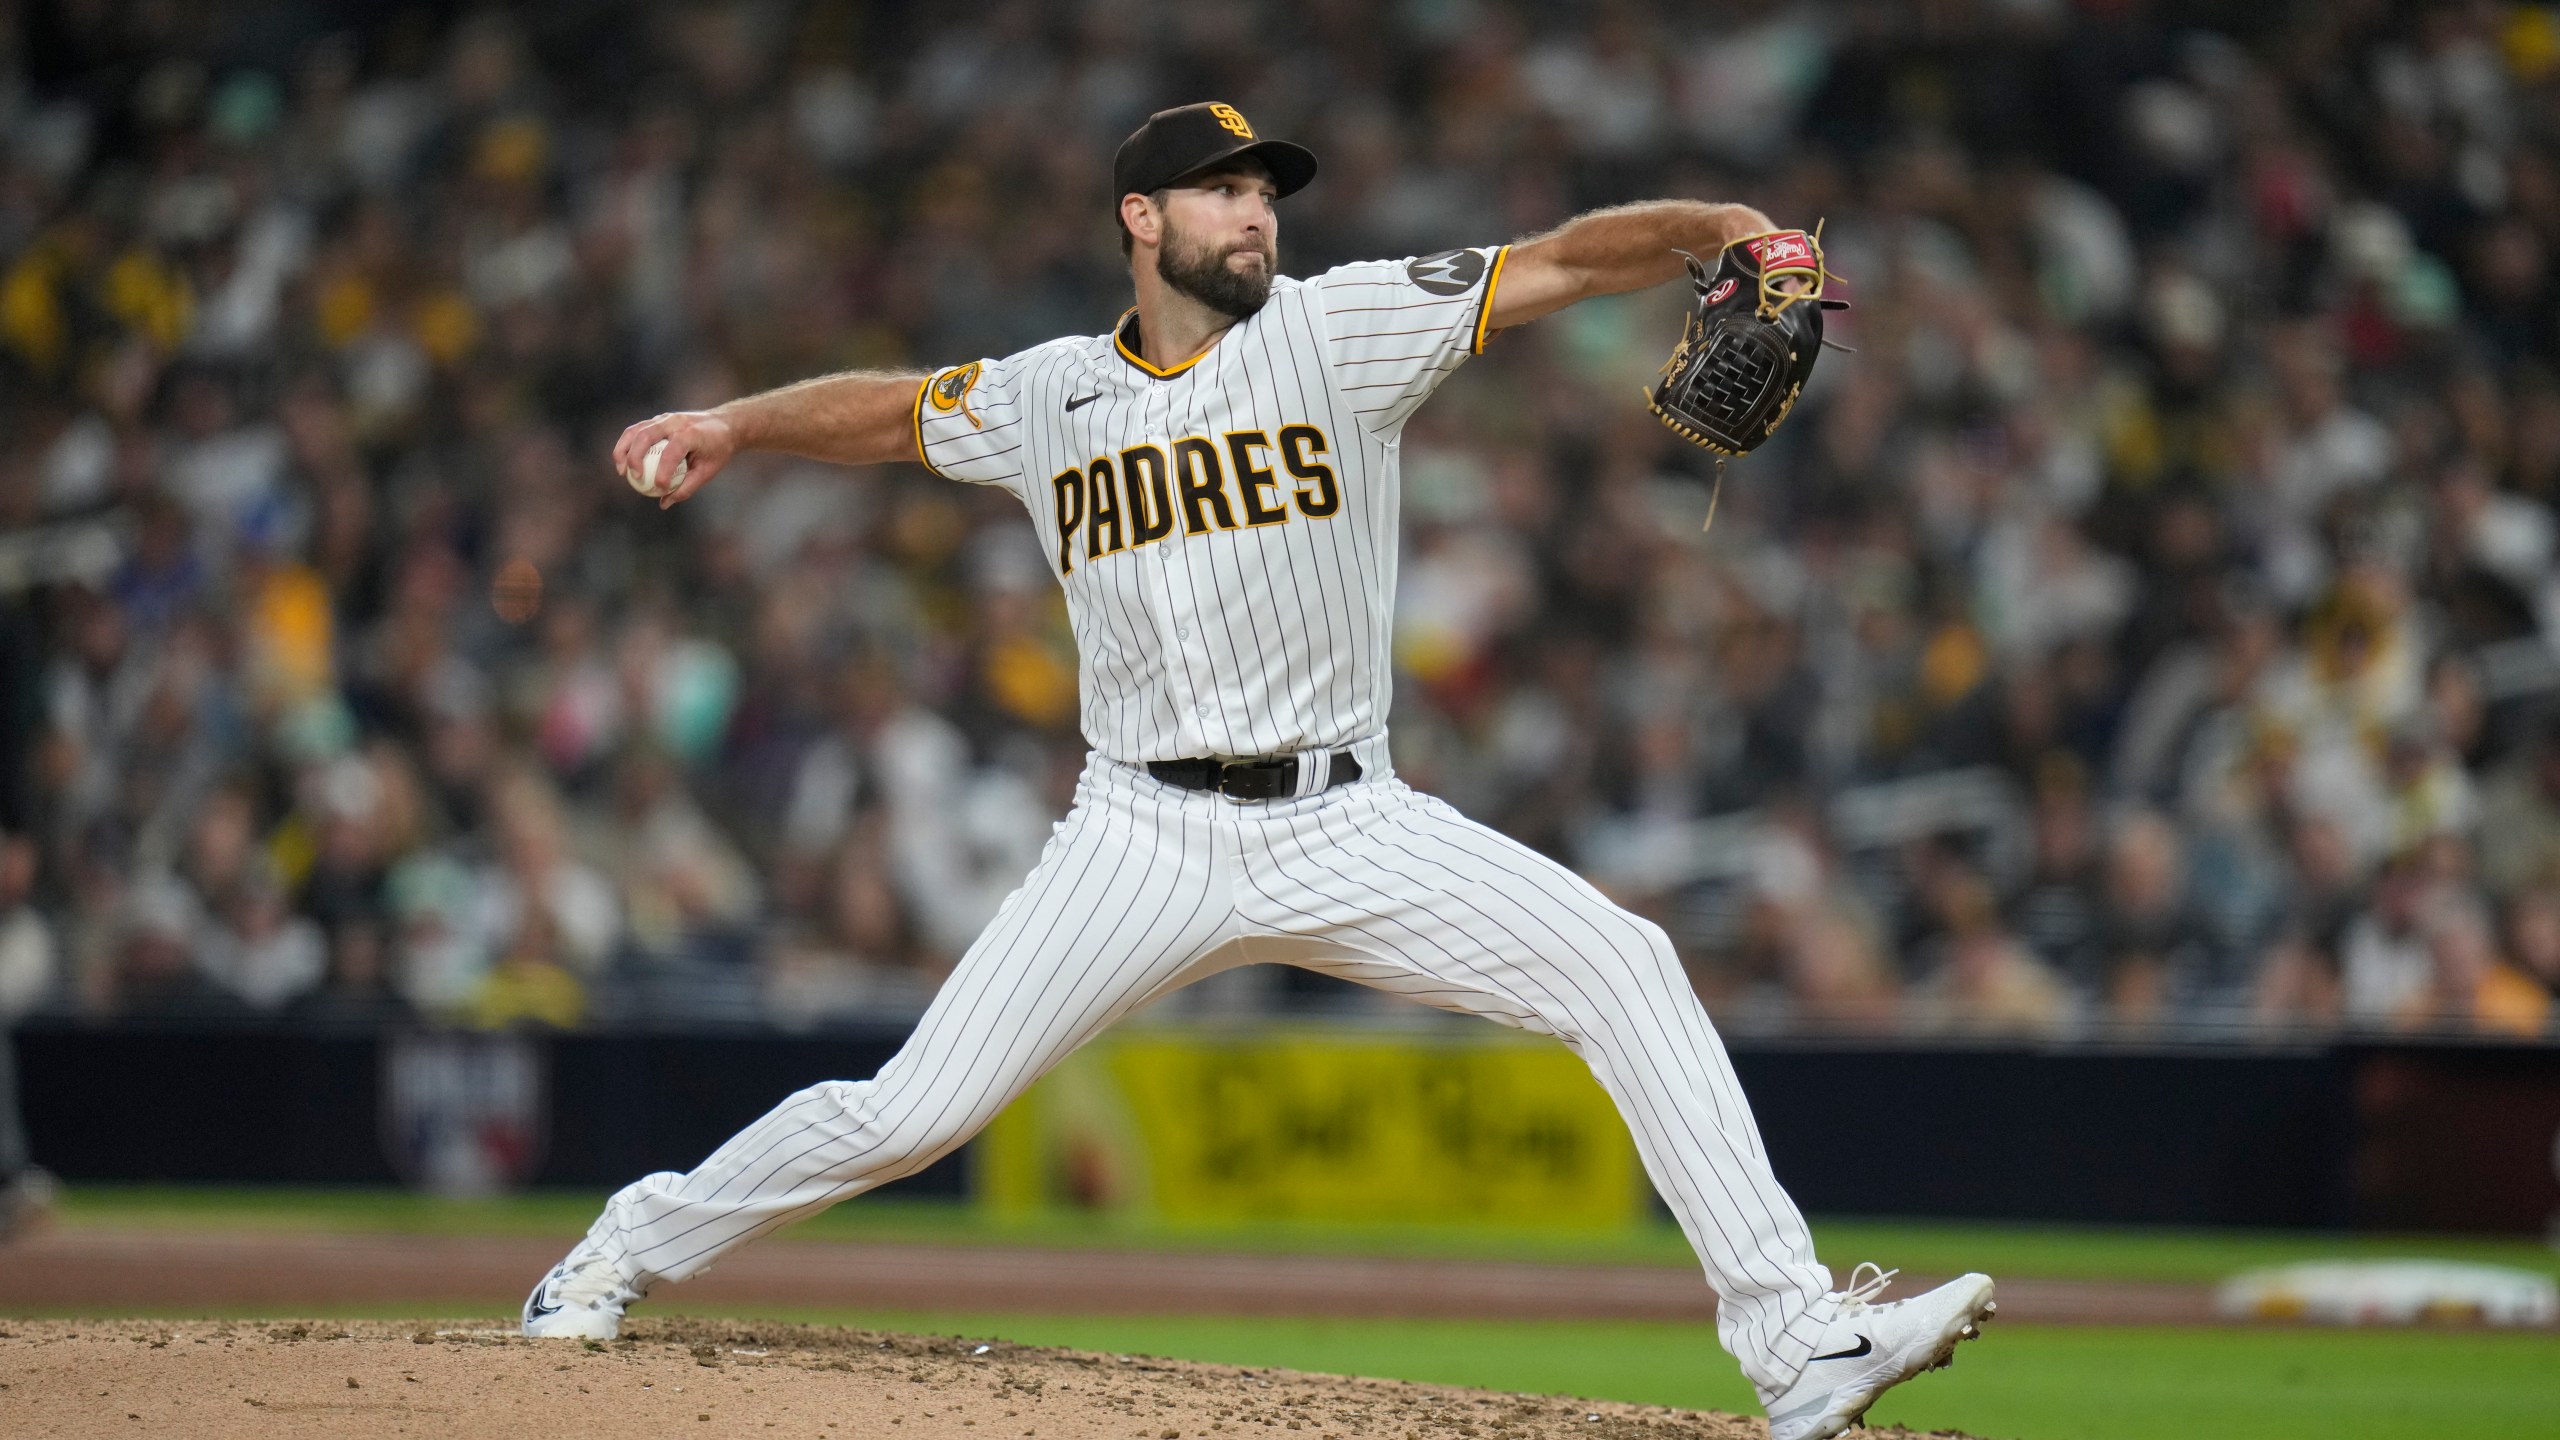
column 1225, row 529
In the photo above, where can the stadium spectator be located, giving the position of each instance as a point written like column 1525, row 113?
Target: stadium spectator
column 261, row 951
column 849, row 952
column 158, row 974
column 2150, row 954
column 2533, row 936
column 2298, row 983
column 685, row 891
column 2383, row 961
column 2522, row 809
column 2470, row 986
column 1985, row 982
column 546, row 901
column 357, row 993
column 529, row 985
column 1839, row 979
column 2057, row 913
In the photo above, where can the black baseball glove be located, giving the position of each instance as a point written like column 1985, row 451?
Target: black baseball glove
column 1750, row 343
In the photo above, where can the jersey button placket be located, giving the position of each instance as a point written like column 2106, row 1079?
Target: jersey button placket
column 1166, row 606
column 1182, row 628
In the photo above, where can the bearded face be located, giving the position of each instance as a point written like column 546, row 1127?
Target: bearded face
column 1202, row 270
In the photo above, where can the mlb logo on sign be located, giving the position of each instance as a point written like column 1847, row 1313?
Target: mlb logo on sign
column 1787, row 249
column 463, row 1114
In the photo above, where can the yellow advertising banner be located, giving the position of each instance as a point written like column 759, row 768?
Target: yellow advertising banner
column 1208, row 1125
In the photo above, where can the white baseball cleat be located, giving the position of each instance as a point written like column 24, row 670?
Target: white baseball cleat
column 1870, row 1348
column 581, row 1299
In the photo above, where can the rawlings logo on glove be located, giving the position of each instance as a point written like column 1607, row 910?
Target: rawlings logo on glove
column 1781, row 250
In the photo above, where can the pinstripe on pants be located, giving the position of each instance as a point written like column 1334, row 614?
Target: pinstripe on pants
column 1146, row 887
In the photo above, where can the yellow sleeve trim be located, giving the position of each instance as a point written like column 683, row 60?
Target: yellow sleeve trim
column 921, row 457
column 1484, row 313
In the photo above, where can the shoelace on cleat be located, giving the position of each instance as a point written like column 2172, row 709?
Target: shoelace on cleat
column 1863, row 1287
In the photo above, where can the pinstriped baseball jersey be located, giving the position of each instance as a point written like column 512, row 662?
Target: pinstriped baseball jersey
column 1225, row 530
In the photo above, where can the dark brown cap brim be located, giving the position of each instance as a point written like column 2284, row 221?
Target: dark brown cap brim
column 1291, row 166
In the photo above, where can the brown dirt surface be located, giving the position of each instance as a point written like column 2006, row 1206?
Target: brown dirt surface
column 703, row 1378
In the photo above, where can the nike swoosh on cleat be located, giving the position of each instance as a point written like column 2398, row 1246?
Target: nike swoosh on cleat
column 1080, row 401
column 541, row 1293
column 1865, row 1346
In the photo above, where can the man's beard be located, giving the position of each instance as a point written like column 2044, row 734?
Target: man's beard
column 1201, row 272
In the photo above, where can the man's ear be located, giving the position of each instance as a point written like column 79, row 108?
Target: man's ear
column 1145, row 221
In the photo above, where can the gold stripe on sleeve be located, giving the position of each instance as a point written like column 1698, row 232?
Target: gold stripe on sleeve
column 921, row 457
column 1484, row 314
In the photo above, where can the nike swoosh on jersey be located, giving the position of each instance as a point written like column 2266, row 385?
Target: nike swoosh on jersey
column 1080, row 401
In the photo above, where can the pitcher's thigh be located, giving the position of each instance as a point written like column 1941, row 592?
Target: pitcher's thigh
column 1469, row 912
column 1106, row 921
column 1095, row 929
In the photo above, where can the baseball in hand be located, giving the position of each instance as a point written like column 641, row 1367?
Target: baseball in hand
column 646, row 479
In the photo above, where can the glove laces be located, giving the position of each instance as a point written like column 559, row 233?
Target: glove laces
column 1863, row 1286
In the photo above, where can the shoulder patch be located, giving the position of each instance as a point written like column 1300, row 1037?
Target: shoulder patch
column 1451, row 272
column 950, row 389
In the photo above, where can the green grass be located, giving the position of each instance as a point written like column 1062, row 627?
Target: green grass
column 1922, row 1247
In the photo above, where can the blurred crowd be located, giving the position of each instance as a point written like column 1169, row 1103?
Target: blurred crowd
column 2149, row 629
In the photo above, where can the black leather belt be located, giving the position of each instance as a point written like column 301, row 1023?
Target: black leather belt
column 1268, row 777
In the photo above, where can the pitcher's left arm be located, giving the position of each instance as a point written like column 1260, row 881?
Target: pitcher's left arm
column 1609, row 252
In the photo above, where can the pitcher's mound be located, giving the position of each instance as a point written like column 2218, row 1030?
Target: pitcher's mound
column 692, row 1377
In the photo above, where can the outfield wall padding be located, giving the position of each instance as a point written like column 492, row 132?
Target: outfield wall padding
column 2184, row 1138
column 2441, row 1137
column 247, row 1106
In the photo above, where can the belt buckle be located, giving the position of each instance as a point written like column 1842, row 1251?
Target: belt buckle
column 1269, row 779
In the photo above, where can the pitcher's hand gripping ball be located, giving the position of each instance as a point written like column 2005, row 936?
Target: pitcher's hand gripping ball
column 649, row 479
column 1750, row 342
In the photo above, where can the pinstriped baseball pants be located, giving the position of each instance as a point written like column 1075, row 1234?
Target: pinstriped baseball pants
column 1146, row 887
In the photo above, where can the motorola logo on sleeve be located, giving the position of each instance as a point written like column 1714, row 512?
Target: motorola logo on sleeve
column 1451, row 272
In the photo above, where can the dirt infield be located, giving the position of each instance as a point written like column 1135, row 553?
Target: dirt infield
column 708, row 1378
column 95, row 1269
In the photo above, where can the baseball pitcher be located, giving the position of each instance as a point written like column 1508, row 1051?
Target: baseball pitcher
column 1214, row 481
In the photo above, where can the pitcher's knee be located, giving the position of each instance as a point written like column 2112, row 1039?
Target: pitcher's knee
column 1653, row 937
column 1652, row 962
column 887, row 1139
